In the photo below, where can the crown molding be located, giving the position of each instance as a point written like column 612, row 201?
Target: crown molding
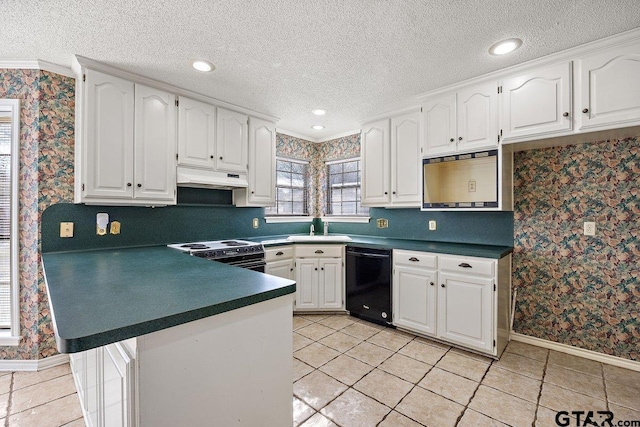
column 36, row 64
column 341, row 135
column 297, row 135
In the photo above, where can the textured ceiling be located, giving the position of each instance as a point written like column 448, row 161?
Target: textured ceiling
column 354, row 58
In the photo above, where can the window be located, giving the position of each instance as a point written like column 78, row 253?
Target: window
column 9, row 122
column 343, row 188
column 291, row 188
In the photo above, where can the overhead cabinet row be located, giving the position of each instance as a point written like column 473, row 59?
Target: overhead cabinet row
column 137, row 143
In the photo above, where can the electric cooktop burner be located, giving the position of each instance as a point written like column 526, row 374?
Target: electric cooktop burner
column 234, row 243
column 194, row 246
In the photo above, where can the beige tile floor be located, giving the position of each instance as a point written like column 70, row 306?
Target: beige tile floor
column 351, row 373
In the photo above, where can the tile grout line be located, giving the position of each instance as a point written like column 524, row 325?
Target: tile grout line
column 474, row 395
column 10, row 400
column 544, row 374
column 604, row 384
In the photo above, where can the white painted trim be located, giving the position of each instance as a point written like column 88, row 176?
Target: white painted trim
column 393, row 113
column 297, row 135
column 565, row 55
column 34, row 365
column 283, row 219
column 349, row 219
column 341, row 135
column 575, row 351
column 80, row 63
column 6, row 339
column 36, row 64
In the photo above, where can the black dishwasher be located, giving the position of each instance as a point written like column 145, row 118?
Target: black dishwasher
column 369, row 284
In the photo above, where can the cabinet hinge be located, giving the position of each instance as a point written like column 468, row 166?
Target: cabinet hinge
column 82, row 187
column 177, row 103
column 499, row 89
column 498, row 137
column 421, row 109
column 494, row 343
column 176, row 156
column 494, row 287
column 84, row 77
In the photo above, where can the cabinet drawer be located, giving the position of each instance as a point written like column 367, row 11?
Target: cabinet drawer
column 415, row 259
column 319, row 251
column 279, row 253
column 468, row 265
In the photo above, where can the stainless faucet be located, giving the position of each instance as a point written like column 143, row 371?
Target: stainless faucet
column 312, row 230
column 326, row 228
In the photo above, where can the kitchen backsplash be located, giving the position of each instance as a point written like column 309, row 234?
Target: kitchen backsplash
column 573, row 289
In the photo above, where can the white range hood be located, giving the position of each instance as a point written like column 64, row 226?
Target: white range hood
column 187, row 177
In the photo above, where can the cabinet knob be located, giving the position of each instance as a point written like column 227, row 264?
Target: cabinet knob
column 220, row 157
column 253, row 192
column 586, row 110
column 322, row 268
column 459, row 138
column 139, row 185
column 291, row 269
column 431, row 283
column 442, row 285
column 211, row 156
column 393, row 192
column 128, row 184
column 565, row 114
column 451, row 140
column 316, row 269
column 385, row 193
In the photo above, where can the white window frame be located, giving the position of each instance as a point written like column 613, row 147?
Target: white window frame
column 292, row 218
column 11, row 336
column 362, row 219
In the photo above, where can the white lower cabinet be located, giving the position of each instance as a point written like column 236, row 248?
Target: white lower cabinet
column 105, row 380
column 458, row 299
column 280, row 262
column 319, row 277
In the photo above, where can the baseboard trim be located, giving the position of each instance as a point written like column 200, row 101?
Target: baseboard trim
column 576, row 351
column 34, row 365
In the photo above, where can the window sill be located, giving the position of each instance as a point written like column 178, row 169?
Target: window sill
column 6, row 339
column 351, row 219
column 283, row 219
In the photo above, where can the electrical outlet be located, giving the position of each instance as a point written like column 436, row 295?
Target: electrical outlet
column 256, row 223
column 115, row 227
column 66, row 229
column 382, row 223
column 589, row 228
column 432, row 225
column 102, row 222
column 472, row 186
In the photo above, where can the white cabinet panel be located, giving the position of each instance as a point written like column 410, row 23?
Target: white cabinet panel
column 196, row 134
column 231, row 141
column 465, row 311
column 610, row 94
column 406, row 160
column 330, row 282
column 477, row 124
column 440, row 125
column 282, row 269
column 414, row 299
column 107, row 163
column 307, row 283
column 374, row 151
column 155, row 144
column 537, row 102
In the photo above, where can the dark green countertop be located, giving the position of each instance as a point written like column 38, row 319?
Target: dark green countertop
column 105, row 296
column 465, row 249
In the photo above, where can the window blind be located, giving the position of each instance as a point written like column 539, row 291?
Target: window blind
column 343, row 185
column 291, row 188
column 5, row 222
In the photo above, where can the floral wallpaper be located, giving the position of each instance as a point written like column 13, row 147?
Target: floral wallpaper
column 317, row 154
column 573, row 289
column 46, row 176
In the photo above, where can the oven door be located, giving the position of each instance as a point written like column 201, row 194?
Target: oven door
column 254, row 264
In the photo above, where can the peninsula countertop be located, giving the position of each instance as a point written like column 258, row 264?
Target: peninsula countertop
column 103, row 296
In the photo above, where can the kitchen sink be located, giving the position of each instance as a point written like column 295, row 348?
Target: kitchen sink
column 328, row 238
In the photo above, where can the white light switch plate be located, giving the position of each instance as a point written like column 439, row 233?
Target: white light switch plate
column 432, row 225
column 589, row 228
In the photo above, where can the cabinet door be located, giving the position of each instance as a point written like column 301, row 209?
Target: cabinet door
column 330, row 283
column 610, row 83
column 414, row 299
column 231, row 141
column 440, row 125
column 465, row 310
column 262, row 163
column 282, row 269
column 406, row 160
column 93, row 382
column 196, row 134
column 108, row 136
column 307, row 283
column 374, row 151
column 477, row 114
column 537, row 103
column 117, row 387
column 155, row 145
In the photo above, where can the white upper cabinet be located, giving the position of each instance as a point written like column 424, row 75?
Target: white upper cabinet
column 440, row 125
column 537, row 103
column 477, row 123
column 610, row 88
column 374, row 151
column 107, row 137
column 155, row 145
column 127, row 148
column 406, row 160
column 460, row 122
column 196, row 134
column 231, row 141
column 262, row 166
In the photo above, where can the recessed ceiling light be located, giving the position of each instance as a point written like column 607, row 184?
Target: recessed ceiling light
column 203, row 66
column 317, row 127
column 505, row 46
column 319, row 112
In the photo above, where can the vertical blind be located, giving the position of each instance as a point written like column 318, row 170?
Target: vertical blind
column 5, row 222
